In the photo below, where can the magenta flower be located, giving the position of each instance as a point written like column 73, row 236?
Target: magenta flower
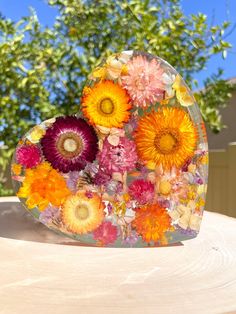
column 28, row 156
column 144, row 81
column 120, row 158
column 106, row 233
column 142, row 191
column 69, row 144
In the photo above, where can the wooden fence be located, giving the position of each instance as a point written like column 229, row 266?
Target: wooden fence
column 221, row 195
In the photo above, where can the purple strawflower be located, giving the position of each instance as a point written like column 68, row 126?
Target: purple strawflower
column 69, row 144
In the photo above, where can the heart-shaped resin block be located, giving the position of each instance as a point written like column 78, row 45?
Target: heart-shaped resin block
column 129, row 169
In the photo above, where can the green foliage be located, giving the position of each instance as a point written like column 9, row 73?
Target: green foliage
column 43, row 70
column 214, row 96
column 4, row 191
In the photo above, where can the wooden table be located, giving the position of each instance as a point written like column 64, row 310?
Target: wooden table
column 41, row 272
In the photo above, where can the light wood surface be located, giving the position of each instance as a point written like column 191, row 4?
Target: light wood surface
column 39, row 274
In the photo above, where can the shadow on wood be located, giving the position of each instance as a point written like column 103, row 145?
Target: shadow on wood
column 16, row 223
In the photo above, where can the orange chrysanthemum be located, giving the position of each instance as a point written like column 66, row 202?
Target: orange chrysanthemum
column 167, row 137
column 81, row 214
column 107, row 104
column 43, row 185
column 151, row 222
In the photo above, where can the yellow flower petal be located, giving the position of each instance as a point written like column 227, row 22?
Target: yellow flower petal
column 107, row 105
column 166, row 137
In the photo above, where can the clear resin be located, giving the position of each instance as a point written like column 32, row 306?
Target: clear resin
column 129, row 169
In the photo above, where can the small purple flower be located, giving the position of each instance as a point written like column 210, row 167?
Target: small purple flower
column 199, row 180
column 89, row 194
column 163, row 202
column 143, row 170
column 109, row 208
column 188, row 231
column 101, row 177
column 91, row 168
column 131, row 239
column 132, row 124
column 119, row 188
column 72, row 180
column 114, row 187
column 49, row 214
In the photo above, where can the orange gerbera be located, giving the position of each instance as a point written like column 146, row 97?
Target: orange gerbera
column 106, row 104
column 151, row 222
column 43, row 185
column 167, row 137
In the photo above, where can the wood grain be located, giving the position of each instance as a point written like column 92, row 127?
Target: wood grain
column 39, row 276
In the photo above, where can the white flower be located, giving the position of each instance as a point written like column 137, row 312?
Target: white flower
column 168, row 79
column 185, row 218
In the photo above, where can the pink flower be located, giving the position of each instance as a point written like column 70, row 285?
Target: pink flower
column 106, row 233
column 28, row 155
column 120, row 158
column 142, row 191
column 144, row 81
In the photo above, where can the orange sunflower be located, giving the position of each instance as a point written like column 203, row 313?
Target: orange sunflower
column 81, row 214
column 43, row 185
column 106, row 104
column 151, row 222
column 167, row 137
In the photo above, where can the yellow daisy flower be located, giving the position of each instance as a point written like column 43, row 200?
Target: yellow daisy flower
column 167, row 137
column 81, row 214
column 107, row 105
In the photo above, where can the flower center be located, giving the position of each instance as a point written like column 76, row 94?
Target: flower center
column 69, row 144
column 106, row 106
column 81, row 212
column 166, row 143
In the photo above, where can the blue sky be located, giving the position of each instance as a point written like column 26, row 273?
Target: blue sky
column 219, row 9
